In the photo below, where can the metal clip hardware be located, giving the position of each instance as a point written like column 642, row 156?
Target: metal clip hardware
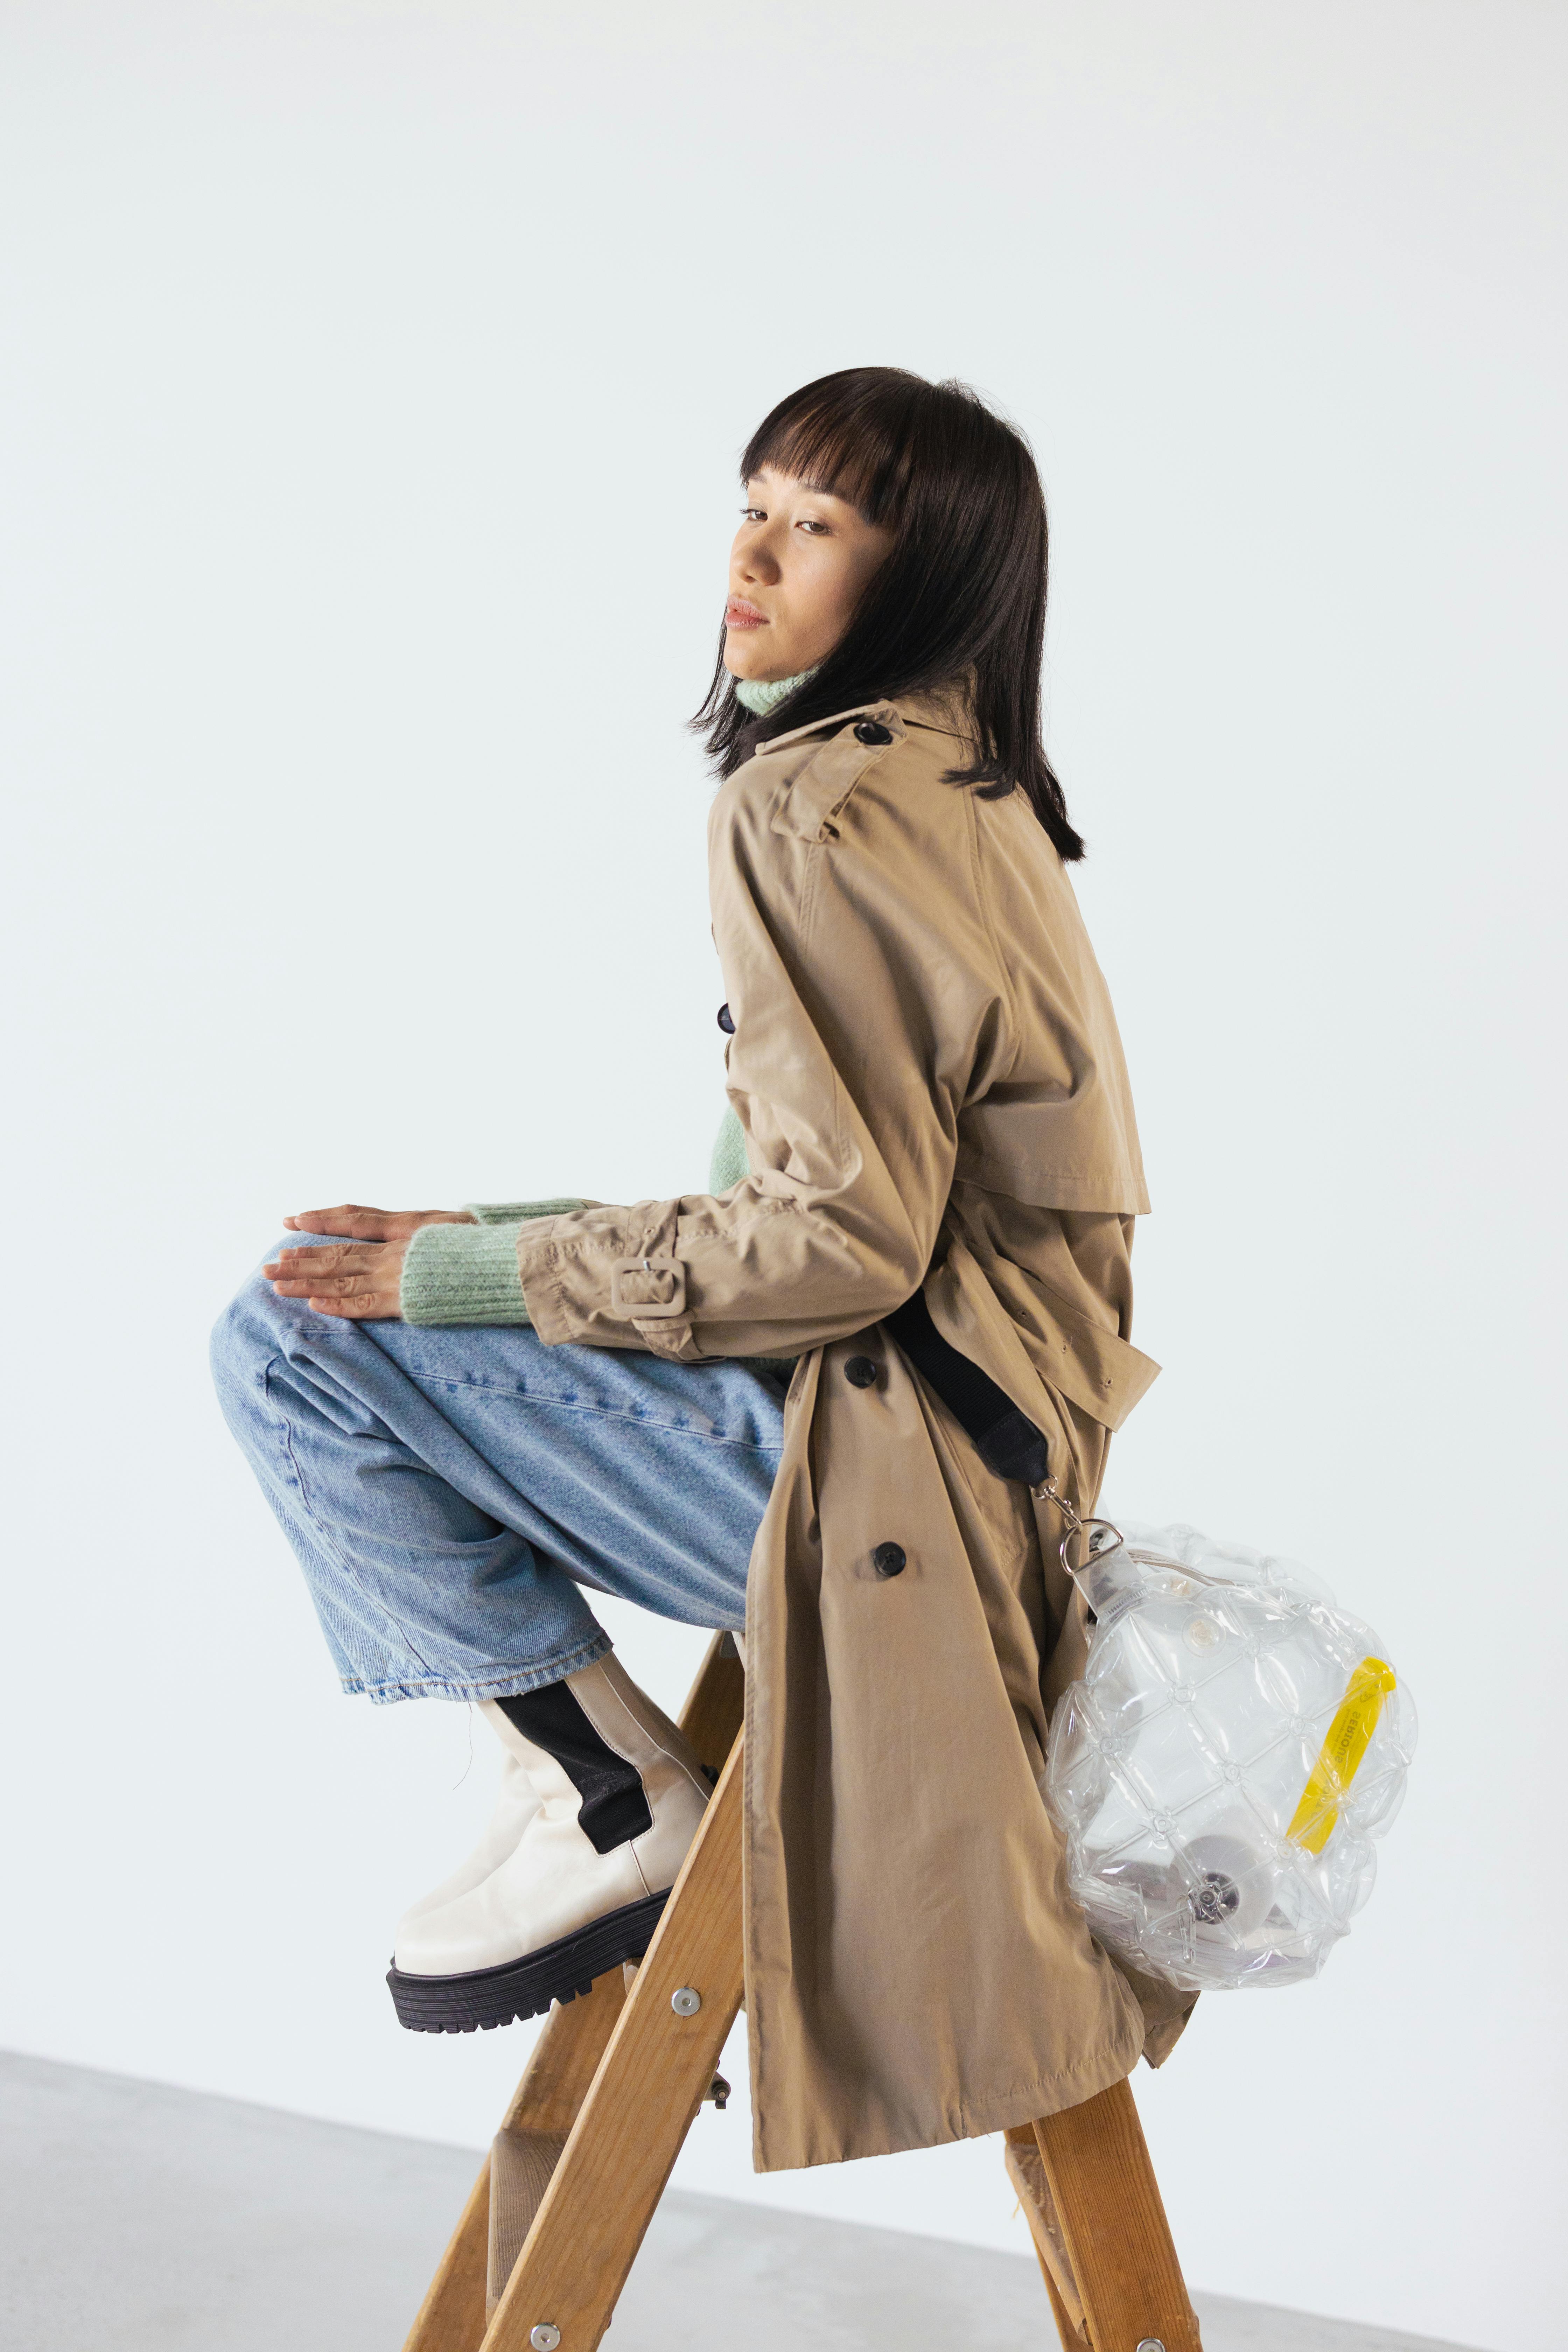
column 1102, row 1534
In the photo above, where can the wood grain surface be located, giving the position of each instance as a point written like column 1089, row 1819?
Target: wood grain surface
column 1026, row 2170
column 537, row 2124
column 452, row 2316
column 1117, row 2239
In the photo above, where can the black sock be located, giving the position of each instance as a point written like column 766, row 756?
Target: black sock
column 614, row 1805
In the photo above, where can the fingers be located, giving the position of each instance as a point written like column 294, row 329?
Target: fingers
column 329, row 1257
column 359, row 1279
column 361, row 1224
column 360, row 1295
column 332, row 1285
column 339, row 1270
column 374, row 1309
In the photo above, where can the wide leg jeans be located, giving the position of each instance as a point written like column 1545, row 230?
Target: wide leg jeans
column 450, row 1492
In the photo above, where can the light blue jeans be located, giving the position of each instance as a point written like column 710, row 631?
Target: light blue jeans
column 450, row 1491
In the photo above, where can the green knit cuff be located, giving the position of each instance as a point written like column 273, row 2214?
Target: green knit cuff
column 463, row 1274
column 516, row 1213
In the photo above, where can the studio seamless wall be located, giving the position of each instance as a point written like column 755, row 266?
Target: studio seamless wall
column 373, row 380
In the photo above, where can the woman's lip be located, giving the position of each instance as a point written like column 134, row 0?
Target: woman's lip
column 740, row 615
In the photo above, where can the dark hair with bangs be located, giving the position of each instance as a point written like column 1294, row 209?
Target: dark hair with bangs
column 958, row 601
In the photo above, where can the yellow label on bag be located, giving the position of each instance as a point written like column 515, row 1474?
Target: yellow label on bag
column 1339, row 1759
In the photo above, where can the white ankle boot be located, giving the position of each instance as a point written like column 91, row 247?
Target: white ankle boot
column 619, row 1795
column 516, row 1801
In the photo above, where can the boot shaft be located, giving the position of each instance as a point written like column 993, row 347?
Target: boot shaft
column 598, row 1750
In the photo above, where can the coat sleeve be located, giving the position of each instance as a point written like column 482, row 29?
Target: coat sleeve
column 864, row 983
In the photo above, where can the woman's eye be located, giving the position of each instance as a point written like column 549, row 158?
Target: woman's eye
column 818, row 530
column 752, row 514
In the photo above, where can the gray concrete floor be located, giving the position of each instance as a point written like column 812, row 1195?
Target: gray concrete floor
column 140, row 2219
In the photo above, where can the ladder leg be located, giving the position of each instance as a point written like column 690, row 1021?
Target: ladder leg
column 533, row 2131
column 716, row 1703
column 565, row 2059
column 452, row 2315
column 659, row 2063
column 1072, row 2336
column 1026, row 2168
column 1117, row 2239
column 538, row 2124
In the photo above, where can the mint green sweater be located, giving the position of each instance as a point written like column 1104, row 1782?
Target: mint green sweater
column 467, row 1274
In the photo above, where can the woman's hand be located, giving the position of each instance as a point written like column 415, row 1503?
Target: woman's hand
column 360, row 1225
column 361, row 1277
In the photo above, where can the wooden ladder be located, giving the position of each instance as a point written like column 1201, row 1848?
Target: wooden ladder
column 614, row 2086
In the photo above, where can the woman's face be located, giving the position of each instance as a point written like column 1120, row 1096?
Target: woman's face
column 799, row 565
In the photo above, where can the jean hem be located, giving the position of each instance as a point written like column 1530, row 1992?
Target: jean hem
column 505, row 1682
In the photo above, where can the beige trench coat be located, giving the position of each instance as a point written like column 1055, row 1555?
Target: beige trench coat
column 928, row 1072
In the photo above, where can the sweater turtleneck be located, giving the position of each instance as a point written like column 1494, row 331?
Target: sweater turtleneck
column 762, row 695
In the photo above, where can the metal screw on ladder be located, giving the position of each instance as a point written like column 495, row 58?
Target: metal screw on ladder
column 547, row 2336
column 686, row 2000
column 1150, row 2344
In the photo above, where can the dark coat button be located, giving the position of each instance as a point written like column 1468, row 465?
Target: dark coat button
column 726, row 1021
column 870, row 730
column 860, row 1373
column 888, row 1559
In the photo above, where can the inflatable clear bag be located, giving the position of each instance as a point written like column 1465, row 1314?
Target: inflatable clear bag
column 1221, row 1769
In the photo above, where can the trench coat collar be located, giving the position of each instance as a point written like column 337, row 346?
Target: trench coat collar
column 926, row 710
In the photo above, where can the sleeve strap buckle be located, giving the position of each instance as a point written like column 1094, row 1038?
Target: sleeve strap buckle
column 646, row 1274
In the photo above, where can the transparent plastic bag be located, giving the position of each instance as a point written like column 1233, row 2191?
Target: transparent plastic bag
column 1221, row 1772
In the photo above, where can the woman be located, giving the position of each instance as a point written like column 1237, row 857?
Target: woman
column 465, row 1417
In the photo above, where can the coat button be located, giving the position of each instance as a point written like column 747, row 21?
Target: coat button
column 888, row 1559
column 870, row 730
column 726, row 1021
column 860, row 1373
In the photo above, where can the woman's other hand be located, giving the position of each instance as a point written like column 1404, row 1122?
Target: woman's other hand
column 356, row 1223
column 363, row 1277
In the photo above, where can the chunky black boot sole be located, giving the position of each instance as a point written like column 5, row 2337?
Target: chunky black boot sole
column 483, row 1998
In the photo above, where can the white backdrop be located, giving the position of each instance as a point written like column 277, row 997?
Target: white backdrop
column 373, row 383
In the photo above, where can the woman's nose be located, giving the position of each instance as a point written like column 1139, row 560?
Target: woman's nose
column 757, row 561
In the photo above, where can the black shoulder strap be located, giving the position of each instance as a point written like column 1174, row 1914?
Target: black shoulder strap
column 1006, row 1440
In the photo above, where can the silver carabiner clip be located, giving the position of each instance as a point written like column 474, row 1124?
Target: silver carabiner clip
column 1104, row 1535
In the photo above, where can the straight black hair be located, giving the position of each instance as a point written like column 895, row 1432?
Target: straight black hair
column 959, row 603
